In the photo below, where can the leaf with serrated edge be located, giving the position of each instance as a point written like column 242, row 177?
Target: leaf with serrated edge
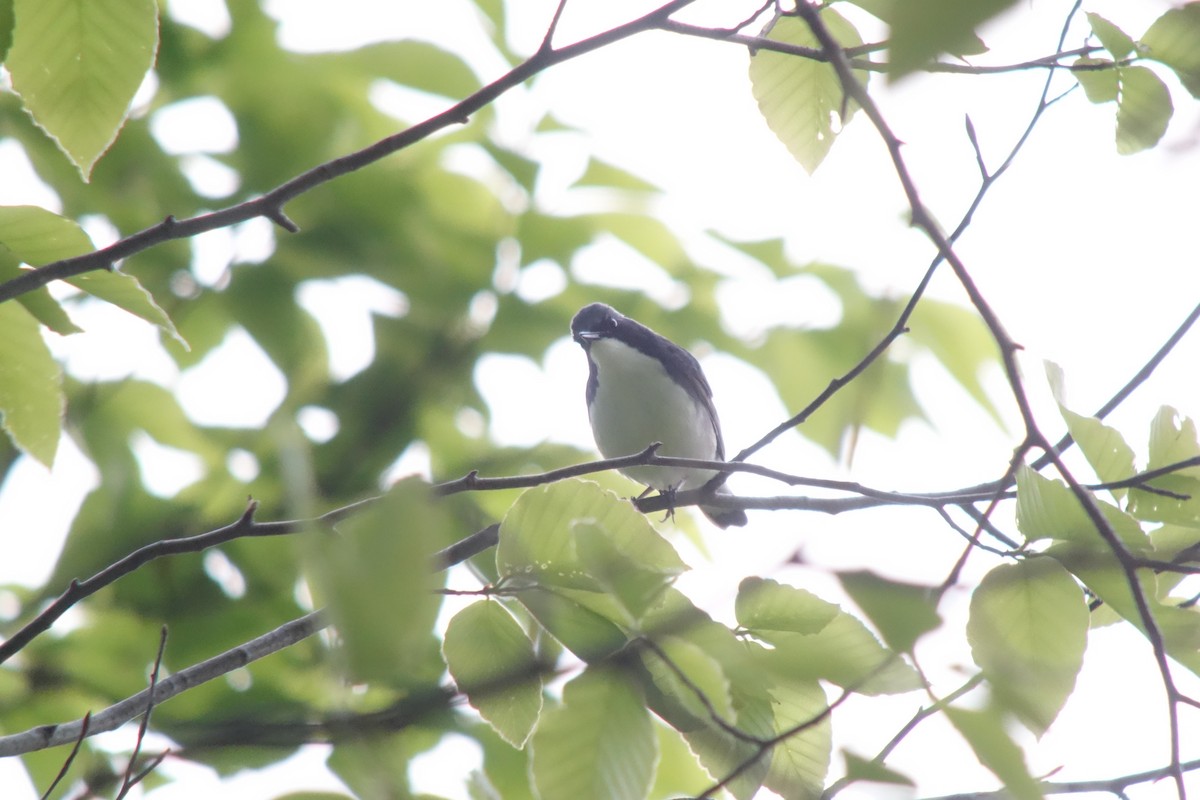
column 77, row 65
column 1028, row 631
column 126, row 292
column 39, row 237
column 802, row 99
column 703, row 685
column 492, row 660
column 599, row 745
column 799, row 762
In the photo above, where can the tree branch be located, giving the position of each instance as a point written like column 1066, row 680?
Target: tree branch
column 118, row 714
column 271, row 204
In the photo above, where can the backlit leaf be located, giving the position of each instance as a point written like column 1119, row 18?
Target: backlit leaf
column 31, row 396
column 375, row 577
column 1028, row 630
column 1143, row 109
column 1115, row 40
column 995, row 749
column 492, row 660
column 801, row 98
column 77, row 64
column 599, row 745
column 902, row 612
column 1174, row 39
column 764, row 604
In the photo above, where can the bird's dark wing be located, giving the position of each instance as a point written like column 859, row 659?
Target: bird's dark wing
column 683, row 368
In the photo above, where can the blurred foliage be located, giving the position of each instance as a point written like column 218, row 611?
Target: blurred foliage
column 441, row 248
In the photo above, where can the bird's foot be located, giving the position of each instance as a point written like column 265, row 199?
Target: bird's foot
column 670, row 495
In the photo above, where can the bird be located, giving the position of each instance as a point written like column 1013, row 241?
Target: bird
column 643, row 388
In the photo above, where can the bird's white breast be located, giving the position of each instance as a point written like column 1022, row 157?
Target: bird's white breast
column 638, row 403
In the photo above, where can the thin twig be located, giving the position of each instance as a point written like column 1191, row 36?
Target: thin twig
column 84, row 727
column 119, row 713
column 129, row 779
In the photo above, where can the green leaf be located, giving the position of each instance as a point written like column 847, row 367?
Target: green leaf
column 382, row 595
column 603, row 175
column 599, row 744
column 1105, row 448
column 844, row 652
column 623, row 577
column 588, row 634
column 800, row 98
column 1028, row 630
column 771, row 253
column 678, row 773
column 924, row 29
column 539, row 539
column 961, row 342
column 902, row 612
column 493, row 662
column 45, row 308
column 376, row 766
column 1143, row 109
column 1174, row 39
column 1047, row 509
column 995, row 749
column 703, row 686
column 31, row 395
column 1100, row 85
column 39, row 237
column 767, row 605
column 126, row 292
column 722, row 754
column 524, row 170
column 418, row 64
column 1172, row 440
column 1105, row 576
column 1115, row 40
column 800, row 762
column 872, row 771
column 77, row 64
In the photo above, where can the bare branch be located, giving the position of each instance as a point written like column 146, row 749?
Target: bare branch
column 129, row 779
column 118, row 714
column 84, row 726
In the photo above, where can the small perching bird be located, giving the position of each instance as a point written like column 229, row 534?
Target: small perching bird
column 643, row 388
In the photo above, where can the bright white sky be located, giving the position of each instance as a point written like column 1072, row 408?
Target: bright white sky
column 1089, row 258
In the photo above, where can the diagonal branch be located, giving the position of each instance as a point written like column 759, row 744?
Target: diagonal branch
column 118, row 714
column 271, row 204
